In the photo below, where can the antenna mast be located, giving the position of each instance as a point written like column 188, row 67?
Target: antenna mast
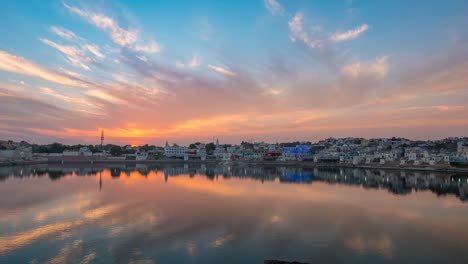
column 102, row 137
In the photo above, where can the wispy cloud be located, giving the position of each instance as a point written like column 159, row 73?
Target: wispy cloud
column 69, row 35
column 194, row 62
column 104, row 96
column 350, row 34
column 63, row 33
column 152, row 47
column 274, row 7
column 274, row 91
column 121, row 36
column 222, row 70
column 124, row 37
column 50, row 92
column 142, row 58
column 75, row 56
column 298, row 33
column 377, row 68
column 93, row 49
column 67, row 99
column 16, row 64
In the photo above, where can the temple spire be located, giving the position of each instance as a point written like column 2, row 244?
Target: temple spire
column 102, row 137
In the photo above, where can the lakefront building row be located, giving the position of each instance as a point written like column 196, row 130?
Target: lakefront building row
column 393, row 151
column 355, row 151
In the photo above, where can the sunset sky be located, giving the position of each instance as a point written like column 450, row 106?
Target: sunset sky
column 263, row 70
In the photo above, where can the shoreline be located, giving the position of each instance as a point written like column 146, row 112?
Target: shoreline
column 303, row 164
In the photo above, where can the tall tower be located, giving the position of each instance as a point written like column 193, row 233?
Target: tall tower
column 102, row 137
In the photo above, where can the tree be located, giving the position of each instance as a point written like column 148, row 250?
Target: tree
column 192, row 146
column 210, row 147
column 93, row 148
column 56, row 148
column 147, row 147
column 116, row 151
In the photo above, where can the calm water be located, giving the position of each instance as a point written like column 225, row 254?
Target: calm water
column 198, row 214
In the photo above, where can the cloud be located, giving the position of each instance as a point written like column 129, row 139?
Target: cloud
column 377, row 68
column 350, row 34
column 193, row 63
column 148, row 68
column 75, row 56
column 104, row 96
column 71, row 73
column 16, row 64
column 128, row 38
column 142, row 58
column 152, row 47
column 298, row 33
column 121, row 36
column 222, row 70
column 444, row 73
column 275, row 91
column 63, row 33
column 274, row 7
column 295, row 92
column 85, row 105
column 23, row 110
column 53, row 93
column 93, row 49
column 77, row 53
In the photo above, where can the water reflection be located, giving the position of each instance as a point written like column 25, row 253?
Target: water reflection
column 215, row 214
column 397, row 182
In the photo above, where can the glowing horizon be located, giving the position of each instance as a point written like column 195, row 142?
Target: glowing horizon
column 265, row 70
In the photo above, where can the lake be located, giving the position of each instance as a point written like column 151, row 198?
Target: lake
column 222, row 214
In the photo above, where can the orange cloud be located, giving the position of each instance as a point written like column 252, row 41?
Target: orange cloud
column 12, row 63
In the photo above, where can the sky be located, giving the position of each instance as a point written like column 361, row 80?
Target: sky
column 261, row 70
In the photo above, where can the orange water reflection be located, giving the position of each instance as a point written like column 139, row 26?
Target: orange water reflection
column 190, row 215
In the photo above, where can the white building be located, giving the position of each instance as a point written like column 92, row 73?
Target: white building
column 219, row 150
column 83, row 151
column 462, row 148
column 201, row 152
column 20, row 153
column 174, row 151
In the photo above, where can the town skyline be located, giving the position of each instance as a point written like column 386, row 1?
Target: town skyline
column 267, row 70
column 378, row 152
column 219, row 141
